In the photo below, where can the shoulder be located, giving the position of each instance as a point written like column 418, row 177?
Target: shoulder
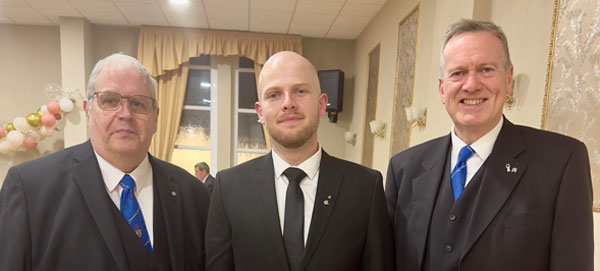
column 56, row 162
column 416, row 154
column 348, row 167
column 175, row 173
column 533, row 135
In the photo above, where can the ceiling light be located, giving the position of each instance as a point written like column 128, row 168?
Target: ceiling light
column 179, row 2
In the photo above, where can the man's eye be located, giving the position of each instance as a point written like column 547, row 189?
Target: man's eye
column 136, row 104
column 111, row 101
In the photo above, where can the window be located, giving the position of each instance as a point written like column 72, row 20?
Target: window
column 249, row 135
column 195, row 140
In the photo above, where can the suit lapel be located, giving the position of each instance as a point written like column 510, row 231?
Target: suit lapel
column 425, row 190
column 170, row 200
column 498, row 182
column 264, row 186
column 88, row 177
column 330, row 181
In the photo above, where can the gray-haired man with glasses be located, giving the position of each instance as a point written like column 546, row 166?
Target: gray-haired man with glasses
column 105, row 204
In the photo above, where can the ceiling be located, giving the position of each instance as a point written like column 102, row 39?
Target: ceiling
column 336, row 19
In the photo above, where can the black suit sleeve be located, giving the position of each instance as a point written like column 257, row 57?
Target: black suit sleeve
column 219, row 253
column 379, row 248
column 572, row 232
column 15, row 244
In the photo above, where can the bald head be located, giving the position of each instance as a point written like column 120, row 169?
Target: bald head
column 285, row 62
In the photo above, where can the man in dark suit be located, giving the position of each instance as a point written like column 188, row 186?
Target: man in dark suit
column 202, row 172
column 297, row 208
column 105, row 204
column 491, row 195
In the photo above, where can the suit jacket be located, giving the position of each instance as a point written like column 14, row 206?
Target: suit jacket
column 535, row 216
column 349, row 229
column 210, row 183
column 55, row 214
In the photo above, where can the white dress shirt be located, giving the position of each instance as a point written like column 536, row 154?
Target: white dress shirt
column 142, row 175
column 483, row 148
column 308, row 185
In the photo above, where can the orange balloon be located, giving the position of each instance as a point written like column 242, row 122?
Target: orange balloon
column 53, row 107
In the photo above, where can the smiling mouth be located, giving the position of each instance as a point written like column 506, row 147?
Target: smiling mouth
column 473, row 101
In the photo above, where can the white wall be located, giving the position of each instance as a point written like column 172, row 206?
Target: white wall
column 330, row 55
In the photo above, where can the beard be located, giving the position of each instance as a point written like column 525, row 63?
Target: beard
column 295, row 140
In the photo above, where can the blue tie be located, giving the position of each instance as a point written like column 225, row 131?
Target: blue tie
column 130, row 209
column 458, row 175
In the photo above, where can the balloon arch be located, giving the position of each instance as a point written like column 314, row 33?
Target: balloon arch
column 24, row 133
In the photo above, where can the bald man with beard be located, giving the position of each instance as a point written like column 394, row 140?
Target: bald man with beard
column 297, row 208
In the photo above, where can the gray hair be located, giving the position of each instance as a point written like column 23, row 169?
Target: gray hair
column 202, row 166
column 470, row 26
column 119, row 60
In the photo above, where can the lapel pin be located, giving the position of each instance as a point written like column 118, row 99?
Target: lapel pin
column 326, row 202
column 329, row 197
column 173, row 193
column 510, row 169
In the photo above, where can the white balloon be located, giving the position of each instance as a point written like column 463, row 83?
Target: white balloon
column 15, row 138
column 46, row 131
column 65, row 104
column 44, row 108
column 5, row 147
column 21, row 124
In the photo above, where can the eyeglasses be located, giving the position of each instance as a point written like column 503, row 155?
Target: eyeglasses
column 111, row 101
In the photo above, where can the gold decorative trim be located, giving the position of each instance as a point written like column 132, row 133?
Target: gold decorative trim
column 365, row 121
column 410, row 127
column 550, row 62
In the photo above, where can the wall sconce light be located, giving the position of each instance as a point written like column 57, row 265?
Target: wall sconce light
column 350, row 137
column 377, row 128
column 510, row 100
column 416, row 115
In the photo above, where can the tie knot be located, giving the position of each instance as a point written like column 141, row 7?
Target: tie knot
column 465, row 153
column 127, row 182
column 294, row 174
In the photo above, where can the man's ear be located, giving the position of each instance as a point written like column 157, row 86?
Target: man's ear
column 441, row 89
column 86, row 109
column 258, row 109
column 323, row 104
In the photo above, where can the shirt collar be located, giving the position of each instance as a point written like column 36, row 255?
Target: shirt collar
column 310, row 166
column 112, row 176
column 483, row 146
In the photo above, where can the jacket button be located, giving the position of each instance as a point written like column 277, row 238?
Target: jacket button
column 448, row 248
column 452, row 217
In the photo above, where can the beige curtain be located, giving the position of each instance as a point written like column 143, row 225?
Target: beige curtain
column 164, row 51
column 170, row 93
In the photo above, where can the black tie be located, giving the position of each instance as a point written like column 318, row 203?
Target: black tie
column 293, row 224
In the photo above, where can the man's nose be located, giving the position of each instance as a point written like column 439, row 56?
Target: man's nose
column 124, row 110
column 472, row 82
column 288, row 101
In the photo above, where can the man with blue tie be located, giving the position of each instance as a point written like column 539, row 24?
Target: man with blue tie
column 105, row 204
column 491, row 195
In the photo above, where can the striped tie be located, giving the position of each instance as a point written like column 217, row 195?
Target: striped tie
column 130, row 209
column 458, row 175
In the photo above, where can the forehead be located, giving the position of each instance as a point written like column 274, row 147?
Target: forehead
column 123, row 80
column 288, row 71
column 473, row 46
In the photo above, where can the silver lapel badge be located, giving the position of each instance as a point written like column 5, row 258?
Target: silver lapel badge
column 510, row 169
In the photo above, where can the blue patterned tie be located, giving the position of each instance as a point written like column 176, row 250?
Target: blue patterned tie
column 458, row 175
column 130, row 209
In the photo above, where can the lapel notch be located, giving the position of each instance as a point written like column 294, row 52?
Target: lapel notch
column 264, row 187
column 330, row 181
column 88, row 177
column 170, row 202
